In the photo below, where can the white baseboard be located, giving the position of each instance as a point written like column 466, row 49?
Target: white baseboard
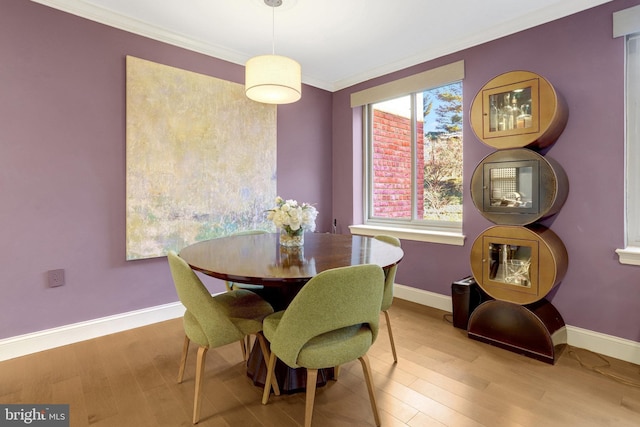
column 606, row 345
column 21, row 345
column 43, row 340
column 419, row 296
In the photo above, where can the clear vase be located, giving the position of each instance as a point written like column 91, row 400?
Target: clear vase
column 294, row 239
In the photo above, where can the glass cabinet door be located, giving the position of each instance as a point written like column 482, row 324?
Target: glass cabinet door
column 518, row 109
column 511, row 187
column 511, row 263
column 511, row 109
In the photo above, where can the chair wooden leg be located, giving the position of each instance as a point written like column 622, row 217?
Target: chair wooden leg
column 366, row 369
column 266, row 354
column 243, row 347
column 336, row 372
column 268, row 382
column 183, row 359
column 312, row 379
column 197, row 400
column 393, row 344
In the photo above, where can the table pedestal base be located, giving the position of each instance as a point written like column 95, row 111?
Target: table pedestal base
column 289, row 379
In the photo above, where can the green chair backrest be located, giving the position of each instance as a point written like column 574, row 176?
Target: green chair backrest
column 230, row 285
column 205, row 318
column 331, row 300
column 389, row 273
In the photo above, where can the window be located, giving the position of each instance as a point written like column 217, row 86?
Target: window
column 413, row 159
column 627, row 23
column 414, row 146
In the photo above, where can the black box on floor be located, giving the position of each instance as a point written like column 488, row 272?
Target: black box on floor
column 466, row 295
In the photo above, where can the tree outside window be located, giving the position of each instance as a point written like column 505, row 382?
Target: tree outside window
column 442, row 139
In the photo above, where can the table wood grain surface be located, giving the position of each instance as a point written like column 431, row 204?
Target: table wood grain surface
column 259, row 259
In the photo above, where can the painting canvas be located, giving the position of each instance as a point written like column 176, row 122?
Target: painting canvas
column 201, row 159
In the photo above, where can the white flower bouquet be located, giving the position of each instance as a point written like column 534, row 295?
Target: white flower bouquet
column 292, row 217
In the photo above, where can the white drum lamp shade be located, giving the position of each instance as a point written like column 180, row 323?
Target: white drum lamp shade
column 273, row 79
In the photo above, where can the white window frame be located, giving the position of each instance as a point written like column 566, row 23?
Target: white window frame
column 433, row 78
column 626, row 23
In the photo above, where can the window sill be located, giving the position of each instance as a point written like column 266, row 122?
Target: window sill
column 629, row 255
column 442, row 237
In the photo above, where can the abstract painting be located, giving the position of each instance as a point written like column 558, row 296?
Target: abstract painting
column 200, row 159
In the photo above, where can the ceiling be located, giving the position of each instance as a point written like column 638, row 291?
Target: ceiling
column 338, row 43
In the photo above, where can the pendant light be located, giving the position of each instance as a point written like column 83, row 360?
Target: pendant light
column 273, row 79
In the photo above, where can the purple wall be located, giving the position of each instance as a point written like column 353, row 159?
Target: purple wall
column 62, row 166
column 579, row 56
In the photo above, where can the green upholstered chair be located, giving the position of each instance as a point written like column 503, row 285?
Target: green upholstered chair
column 214, row 321
column 332, row 320
column 387, row 299
column 245, row 345
column 231, row 285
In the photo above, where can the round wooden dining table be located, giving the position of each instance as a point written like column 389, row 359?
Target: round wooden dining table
column 259, row 259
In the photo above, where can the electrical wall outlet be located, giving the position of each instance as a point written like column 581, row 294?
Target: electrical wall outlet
column 56, row 278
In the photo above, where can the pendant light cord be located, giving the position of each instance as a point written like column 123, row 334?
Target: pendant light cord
column 273, row 30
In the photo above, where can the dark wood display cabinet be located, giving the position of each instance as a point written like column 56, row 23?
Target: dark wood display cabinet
column 518, row 187
column 518, row 109
column 518, row 267
column 518, row 262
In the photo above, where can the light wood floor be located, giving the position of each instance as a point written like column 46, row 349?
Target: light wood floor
column 442, row 379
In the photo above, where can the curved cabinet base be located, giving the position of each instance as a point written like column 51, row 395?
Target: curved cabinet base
column 536, row 330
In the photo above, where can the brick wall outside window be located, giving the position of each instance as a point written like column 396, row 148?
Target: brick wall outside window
column 392, row 166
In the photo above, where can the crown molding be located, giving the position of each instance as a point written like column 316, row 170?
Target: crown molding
column 113, row 19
